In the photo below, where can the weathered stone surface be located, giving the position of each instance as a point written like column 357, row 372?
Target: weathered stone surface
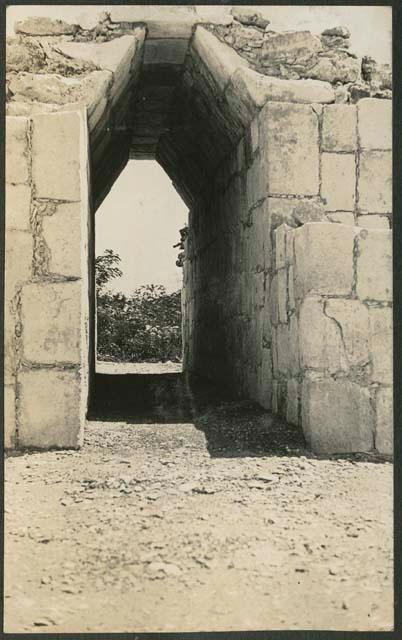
column 337, row 417
column 248, row 17
column 291, row 289
column 321, row 345
column 24, row 54
column 339, row 128
column 17, row 153
column 18, row 108
column 18, row 203
column 374, row 265
column 373, row 221
column 57, row 154
column 50, row 409
column 381, row 342
column 342, row 217
column 265, row 380
column 260, row 88
column 282, row 294
column 375, row 123
column 280, row 245
column 384, row 434
column 165, row 51
column 42, row 26
column 10, row 354
column 62, row 234
column 283, row 351
column 340, row 32
column 292, row 402
column 379, row 76
column 9, row 417
column 220, row 59
column 51, row 318
column 324, row 259
column 18, row 262
column 289, row 137
column 290, row 46
column 339, row 67
column 375, row 182
column 338, row 169
column 352, row 317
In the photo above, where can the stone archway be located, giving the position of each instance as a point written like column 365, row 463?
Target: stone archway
column 287, row 292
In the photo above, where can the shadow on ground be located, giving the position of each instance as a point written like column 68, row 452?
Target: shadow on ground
column 232, row 427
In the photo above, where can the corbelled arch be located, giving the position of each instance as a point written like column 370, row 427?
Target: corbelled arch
column 287, row 274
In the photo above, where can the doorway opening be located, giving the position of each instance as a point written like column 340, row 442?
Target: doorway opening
column 139, row 232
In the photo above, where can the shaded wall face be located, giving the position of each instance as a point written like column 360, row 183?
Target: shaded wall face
column 299, row 329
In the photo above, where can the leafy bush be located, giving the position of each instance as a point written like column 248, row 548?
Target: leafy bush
column 144, row 327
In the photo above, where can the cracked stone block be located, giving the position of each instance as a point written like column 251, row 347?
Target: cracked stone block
column 51, row 318
column 374, row 265
column 18, row 260
column 17, row 150
column 18, row 206
column 292, row 402
column 9, row 417
column 58, row 148
column 339, row 128
column 373, row 221
column 381, row 344
column 338, row 181
column 289, row 142
column 353, row 319
column 321, row 345
column 384, row 435
column 375, row 182
column 62, row 234
column 282, row 295
column 324, row 259
column 50, row 409
column 337, row 417
column 375, row 123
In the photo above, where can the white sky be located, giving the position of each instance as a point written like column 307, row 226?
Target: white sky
column 140, row 220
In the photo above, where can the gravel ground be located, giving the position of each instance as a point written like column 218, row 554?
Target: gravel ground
column 164, row 527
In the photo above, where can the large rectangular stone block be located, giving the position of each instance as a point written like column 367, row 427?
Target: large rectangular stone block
column 321, row 345
column 384, row 434
column 51, row 319
column 17, row 150
column 18, row 205
column 381, row 344
column 338, row 181
column 375, row 123
column 353, row 319
column 339, row 128
column 9, row 417
column 374, row 265
column 375, row 182
column 62, row 234
column 50, row 409
column 282, row 294
column 324, row 259
column 58, row 148
column 337, row 417
column 289, row 142
column 18, row 260
column 283, row 351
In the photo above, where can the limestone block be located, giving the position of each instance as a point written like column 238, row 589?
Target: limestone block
column 23, row 54
column 257, row 89
column 289, row 46
column 18, row 261
column 283, row 350
column 337, row 417
column 342, row 217
column 384, row 434
column 10, row 355
column 290, row 247
column 291, row 289
column 292, row 402
column 353, row 319
column 381, row 341
column 43, row 26
column 373, row 221
column 324, row 259
column 273, row 300
column 265, row 380
column 9, row 417
column 294, row 349
column 106, row 55
column 220, row 59
column 50, row 413
column 58, row 147
column 17, row 150
column 375, row 182
column 51, row 321
column 18, row 203
column 374, row 265
column 375, row 123
column 280, row 245
column 321, row 345
column 339, row 128
column 275, row 396
column 282, row 295
column 62, row 234
column 338, row 181
column 289, row 141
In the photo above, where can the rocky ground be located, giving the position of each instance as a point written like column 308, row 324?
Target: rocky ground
column 223, row 523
